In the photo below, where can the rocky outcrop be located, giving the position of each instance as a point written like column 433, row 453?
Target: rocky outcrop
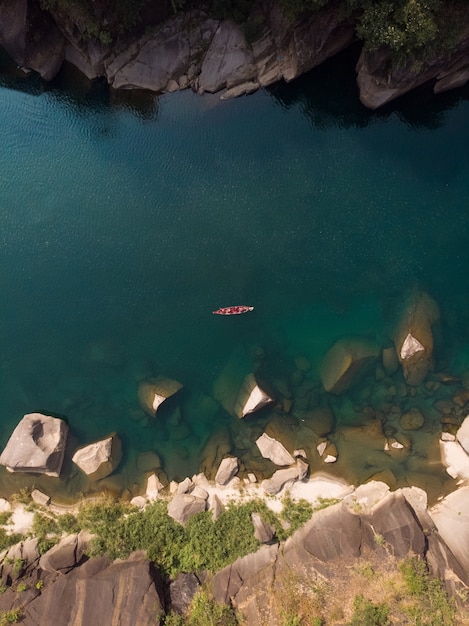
column 195, row 50
column 100, row 592
column 345, row 362
column 37, row 445
column 31, row 37
column 380, row 82
column 99, row 459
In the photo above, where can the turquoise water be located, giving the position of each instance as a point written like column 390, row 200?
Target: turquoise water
column 124, row 223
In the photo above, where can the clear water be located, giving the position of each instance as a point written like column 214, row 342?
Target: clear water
column 125, row 222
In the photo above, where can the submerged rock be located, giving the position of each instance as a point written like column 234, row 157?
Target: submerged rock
column 154, row 392
column 345, row 362
column 412, row 419
column 414, row 338
column 37, row 445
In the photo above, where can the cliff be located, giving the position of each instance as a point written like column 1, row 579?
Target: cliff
column 193, row 49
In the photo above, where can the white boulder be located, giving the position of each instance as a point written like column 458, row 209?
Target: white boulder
column 99, row 459
column 37, row 445
column 272, row 449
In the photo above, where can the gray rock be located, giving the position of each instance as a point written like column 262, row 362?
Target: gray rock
column 37, row 445
column 99, row 459
column 279, row 480
column 215, row 506
column 40, row 498
column 272, row 449
column 99, row 592
column 185, row 486
column 229, row 60
column 65, row 555
column 227, row 470
column 184, row 506
column 263, row 532
column 181, row 592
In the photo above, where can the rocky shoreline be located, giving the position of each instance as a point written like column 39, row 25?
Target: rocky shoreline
column 367, row 527
column 196, row 51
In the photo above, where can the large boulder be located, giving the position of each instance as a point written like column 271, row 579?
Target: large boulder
column 462, row 435
column 152, row 393
column 251, row 397
column 37, row 445
column 184, row 506
column 227, row 470
column 280, row 479
column 274, row 450
column 414, row 337
column 99, row 459
column 345, row 362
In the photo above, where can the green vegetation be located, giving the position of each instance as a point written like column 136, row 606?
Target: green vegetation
column 203, row 544
column 203, row 611
column 13, row 616
column 368, row 614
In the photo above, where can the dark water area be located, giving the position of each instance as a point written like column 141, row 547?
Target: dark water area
column 126, row 219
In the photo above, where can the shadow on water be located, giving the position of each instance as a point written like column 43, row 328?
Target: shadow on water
column 329, row 97
column 76, row 91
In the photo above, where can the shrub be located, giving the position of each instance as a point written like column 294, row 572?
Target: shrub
column 368, row 614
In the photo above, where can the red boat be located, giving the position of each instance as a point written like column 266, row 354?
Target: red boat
column 233, row 310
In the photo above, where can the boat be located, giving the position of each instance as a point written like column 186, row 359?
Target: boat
column 233, row 310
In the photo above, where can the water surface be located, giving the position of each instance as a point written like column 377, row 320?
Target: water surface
column 123, row 225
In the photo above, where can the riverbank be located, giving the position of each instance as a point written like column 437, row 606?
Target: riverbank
column 198, row 50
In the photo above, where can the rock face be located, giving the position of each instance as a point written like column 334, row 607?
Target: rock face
column 379, row 82
column 345, row 362
column 36, row 445
column 414, row 338
column 31, row 37
column 154, row 392
column 334, row 537
column 100, row 592
column 99, row 459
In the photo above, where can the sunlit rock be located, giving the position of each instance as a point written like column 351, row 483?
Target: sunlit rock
column 37, row 445
column 184, row 506
column 274, row 450
column 345, row 362
column 462, row 435
column 154, row 392
column 99, row 459
column 455, row 459
column 154, row 486
column 227, row 469
column 414, row 338
column 280, row 479
column 263, row 532
column 450, row 517
column 251, row 397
